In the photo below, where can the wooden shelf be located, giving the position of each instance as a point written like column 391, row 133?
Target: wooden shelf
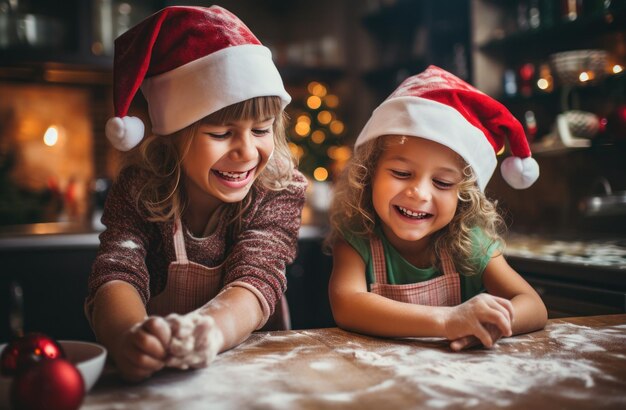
column 561, row 36
column 59, row 73
column 608, row 83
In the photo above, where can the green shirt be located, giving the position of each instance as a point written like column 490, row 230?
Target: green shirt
column 401, row 272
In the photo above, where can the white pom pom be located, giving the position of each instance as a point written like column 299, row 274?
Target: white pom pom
column 520, row 173
column 124, row 133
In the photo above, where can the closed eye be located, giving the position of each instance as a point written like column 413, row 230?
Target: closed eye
column 442, row 184
column 400, row 174
column 218, row 135
column 262, row 132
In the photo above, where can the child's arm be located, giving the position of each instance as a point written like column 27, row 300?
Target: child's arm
column 356, row 309
column 237, row 313
column 137, row 347
column 529, row 310
column 141, row 346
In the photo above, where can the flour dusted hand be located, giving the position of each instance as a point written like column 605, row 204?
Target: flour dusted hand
column 468, row 342
column 195, row 340
column 485, row 317
column 140, row 351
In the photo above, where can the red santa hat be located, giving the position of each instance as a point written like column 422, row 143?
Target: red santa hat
column 440, row 107
column 189, row 62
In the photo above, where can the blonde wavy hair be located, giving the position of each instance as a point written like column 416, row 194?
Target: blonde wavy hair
column 352, row 210
column 159, row 160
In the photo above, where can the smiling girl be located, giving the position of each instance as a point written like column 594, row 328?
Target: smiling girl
column 204, row 217
column 415, row 241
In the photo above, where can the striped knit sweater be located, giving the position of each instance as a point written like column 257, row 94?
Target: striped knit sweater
column 138, row 251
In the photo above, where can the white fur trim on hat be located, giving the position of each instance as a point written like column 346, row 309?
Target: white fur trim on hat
column 124, row 133
column 182, row 96
column 520, row 173
column 428, row 119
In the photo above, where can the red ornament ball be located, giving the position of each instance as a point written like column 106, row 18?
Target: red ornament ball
column 50, row 384
column 27, row 350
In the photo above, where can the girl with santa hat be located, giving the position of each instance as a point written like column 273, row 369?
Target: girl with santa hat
column 415, row 241
column 204, row 217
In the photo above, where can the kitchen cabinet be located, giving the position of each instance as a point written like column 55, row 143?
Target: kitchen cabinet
column 575, row 276
column 53, row 280
column 575, row 290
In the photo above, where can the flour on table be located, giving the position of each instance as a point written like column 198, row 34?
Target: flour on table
column 321, row 366
column 467, row 379
column 583, row 338
column 430, row 373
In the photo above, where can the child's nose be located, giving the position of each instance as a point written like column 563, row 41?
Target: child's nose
column 244, row 148
column 418, row 191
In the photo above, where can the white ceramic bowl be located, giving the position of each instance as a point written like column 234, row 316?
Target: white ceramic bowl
column 88, row 357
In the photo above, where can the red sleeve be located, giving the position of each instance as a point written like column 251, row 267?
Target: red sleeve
column 124, row 243
column 267, row 243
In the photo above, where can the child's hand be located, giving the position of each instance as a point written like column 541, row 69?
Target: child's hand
column 141, row 350
column 468, row 342
column 475, row 318
column 195, row 342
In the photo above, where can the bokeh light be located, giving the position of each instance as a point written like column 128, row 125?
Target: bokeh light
column 320, row 174
column 314, row 102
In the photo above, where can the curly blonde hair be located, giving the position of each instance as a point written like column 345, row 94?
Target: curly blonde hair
column 352, row 210
column 159, row 160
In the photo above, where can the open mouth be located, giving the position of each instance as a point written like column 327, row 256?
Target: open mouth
column 234, row 179
column 232, row 176
column 412, row 214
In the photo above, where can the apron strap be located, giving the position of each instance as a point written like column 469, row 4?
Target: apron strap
column 446, row 264
column 380, row 267
column 179, row 242
column 378, row 259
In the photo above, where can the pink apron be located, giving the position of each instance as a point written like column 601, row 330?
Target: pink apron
column 191, row 285
column 444, row 290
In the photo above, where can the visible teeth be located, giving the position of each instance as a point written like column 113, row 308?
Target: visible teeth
column 412, row 214
column 233, row 175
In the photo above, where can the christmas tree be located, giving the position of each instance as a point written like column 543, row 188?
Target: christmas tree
column 316, row 133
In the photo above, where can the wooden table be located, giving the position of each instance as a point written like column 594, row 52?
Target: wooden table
column 575, row 363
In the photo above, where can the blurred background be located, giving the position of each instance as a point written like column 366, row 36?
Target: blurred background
column 556, row 64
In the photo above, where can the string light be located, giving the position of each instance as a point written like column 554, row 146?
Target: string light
column 320, row 174
column 324, row 117
column 302, row 129
column 317, row 89
column 296, row 150
column 342, row 153
column 584, row 77
column 331, row 100
column 314, row 102
column 51, row 136
column 318, row 136
column 336, row 127
column 304, row 118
